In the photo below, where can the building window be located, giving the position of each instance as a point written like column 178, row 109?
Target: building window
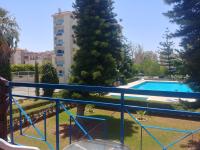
column 59, row 43
column 59, row 52
column 60, row 73
column 60, row 63
column 59, row 22
column 60, row 32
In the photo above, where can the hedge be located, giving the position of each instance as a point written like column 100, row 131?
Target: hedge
column 22, row 67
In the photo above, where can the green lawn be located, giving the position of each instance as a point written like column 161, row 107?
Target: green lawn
column 132, row 131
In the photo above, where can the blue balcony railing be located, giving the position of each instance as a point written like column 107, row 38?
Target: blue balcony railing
column 122, row 106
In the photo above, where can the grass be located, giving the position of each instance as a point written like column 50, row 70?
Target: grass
column 132, row 131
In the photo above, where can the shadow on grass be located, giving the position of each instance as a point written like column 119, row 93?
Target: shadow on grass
column 192, row 144
column 109, row 129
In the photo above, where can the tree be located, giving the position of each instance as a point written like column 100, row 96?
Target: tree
column 166, row 51
column 98, row 36
column 8, row 42
column 185, row 13
column 138, row 54
column 150, row 67
column 49, row 75
column 126, row 66
column 37, row 90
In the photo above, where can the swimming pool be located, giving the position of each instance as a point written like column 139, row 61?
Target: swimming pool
column 163, row 86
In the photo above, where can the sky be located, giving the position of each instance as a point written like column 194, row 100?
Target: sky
column 142, row 20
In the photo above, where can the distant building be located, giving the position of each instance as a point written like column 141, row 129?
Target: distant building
column 63, row 43
column 40, row 57
column 23, row 56
column 18, row 56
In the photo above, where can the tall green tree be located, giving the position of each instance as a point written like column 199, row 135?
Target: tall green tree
column 8, row 42
column 98, row 36
column 37, row 90
column 186, row 14
column 166, row 51
column 49, row 75
column 126, row 66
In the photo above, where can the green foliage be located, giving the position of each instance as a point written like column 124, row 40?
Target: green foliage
column 150, row 68
column 141, row 114
column 185, row 13
column 5, row 70
column 37, row 90
column 8, row 42
column 126, row 66
column 180, row 66
column 166, row 51
column 90, row 108
column 22, row 67
column 98, row 36
column 49, row 75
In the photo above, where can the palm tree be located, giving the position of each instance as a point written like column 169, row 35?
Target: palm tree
column 8, row 41
column 8, row 44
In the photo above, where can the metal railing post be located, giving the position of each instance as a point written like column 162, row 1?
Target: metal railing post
column 20, row 122
column 57, row 125
column 11, row 114
column 70, row 130
column 45, row 126
column 122, row 119
column 141, row 138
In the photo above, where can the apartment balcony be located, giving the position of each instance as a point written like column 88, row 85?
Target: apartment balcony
column 59, row 63
column 59, row 52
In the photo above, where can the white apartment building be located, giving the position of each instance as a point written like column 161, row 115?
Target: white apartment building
column 63, row 43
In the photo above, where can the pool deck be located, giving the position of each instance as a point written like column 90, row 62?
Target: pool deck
column 150, row 98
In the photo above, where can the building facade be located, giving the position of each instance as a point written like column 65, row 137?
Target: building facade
column 18, row 56
column 23, row 56
column 64, row 46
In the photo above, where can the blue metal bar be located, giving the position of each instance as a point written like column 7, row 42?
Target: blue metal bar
column 45, row 126
column 11, row 114
column 151, row 135
column 70, row 130
column 168, row 129
column 100, row 89
column 31, row 123
column 77, row 123
column 122, row 120
column 183, row 137
column 71, row 100
column 104, row 104
column 141, row 138
column 92, row 118
column 164, row 111
column 57, row 125
column 105, row 130
column 20, row 121
column 33, row 137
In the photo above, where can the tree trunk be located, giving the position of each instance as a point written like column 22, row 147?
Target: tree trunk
column 3, row 108
column 80, row 112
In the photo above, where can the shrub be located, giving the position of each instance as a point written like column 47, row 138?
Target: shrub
column 22, row 67
column 49, row 75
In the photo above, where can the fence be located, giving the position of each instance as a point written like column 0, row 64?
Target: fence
column 122, row 107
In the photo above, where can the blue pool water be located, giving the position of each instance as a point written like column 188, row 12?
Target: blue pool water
column 163, row 86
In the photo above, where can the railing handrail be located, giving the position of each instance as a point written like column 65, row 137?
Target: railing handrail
column 86, row 88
